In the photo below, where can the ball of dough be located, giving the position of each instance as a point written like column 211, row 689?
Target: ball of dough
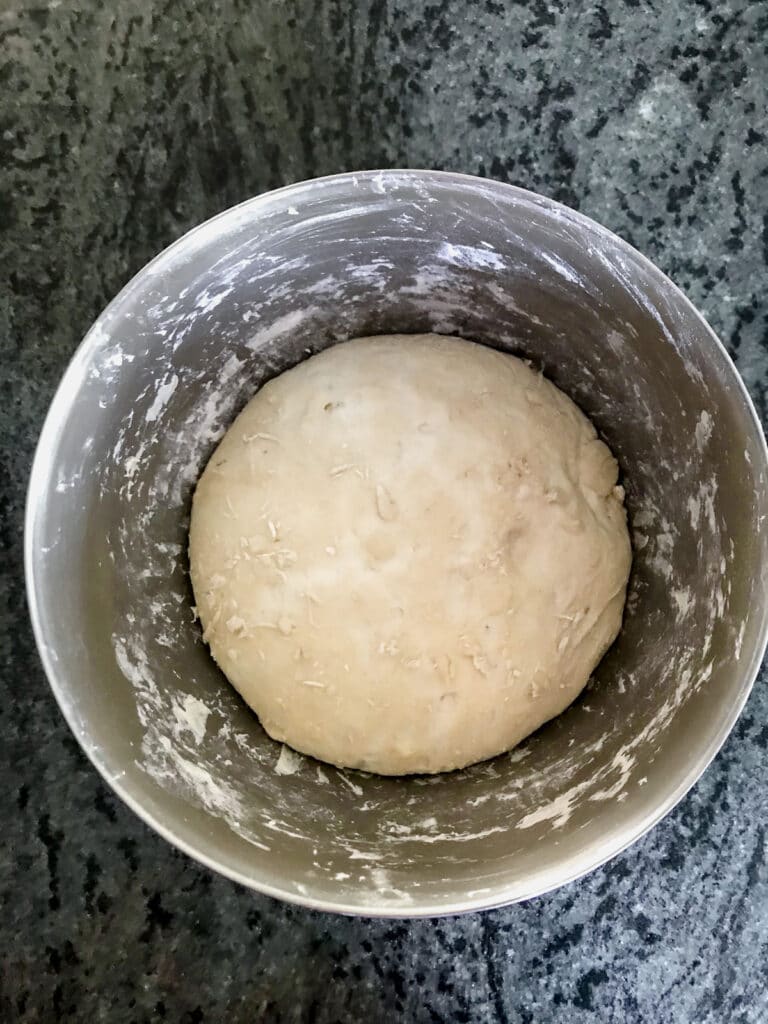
column 409, row 552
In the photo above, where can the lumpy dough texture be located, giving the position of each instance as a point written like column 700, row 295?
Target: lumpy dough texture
column 409, row 552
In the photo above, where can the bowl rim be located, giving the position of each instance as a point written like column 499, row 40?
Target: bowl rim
column 576, row 864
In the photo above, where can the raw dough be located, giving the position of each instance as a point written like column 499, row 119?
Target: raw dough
column 409, row 552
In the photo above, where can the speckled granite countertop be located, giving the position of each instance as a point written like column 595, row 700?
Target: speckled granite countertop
column 121, row 125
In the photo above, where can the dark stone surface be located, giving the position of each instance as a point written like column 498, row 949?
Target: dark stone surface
column 121, row 125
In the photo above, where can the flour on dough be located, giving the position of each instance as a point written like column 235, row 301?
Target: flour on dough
column 409, row 552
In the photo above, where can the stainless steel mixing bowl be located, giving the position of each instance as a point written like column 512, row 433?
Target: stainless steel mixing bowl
column 248, row 294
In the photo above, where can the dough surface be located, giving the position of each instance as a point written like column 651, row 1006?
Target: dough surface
column 409, row 552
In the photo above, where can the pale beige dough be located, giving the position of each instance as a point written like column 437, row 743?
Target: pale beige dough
column 409, row 552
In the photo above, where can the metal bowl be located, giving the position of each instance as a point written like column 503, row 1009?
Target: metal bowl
column 168, row 365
